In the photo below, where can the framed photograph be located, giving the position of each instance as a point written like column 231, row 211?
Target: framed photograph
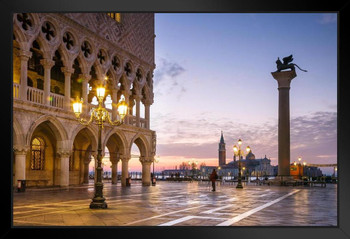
column 195, row 119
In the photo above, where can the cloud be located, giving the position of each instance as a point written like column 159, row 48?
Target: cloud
column 167, row 70
column 166, row 78
column 313, row 136
column 328, row 18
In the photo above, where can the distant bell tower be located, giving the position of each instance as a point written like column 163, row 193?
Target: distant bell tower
column 222, row 151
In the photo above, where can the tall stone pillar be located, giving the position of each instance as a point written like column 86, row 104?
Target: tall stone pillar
column 114, row 104
column 64, row 179
column 125, row 169
column 114, row 158
column 68, row 71
column 137, row 99
column 20, row 162
column 24, row 55
column 47, row 64
column 284, row 79
column 85, row 80
column 147, row 114
column 86, row 171
column 146, row 170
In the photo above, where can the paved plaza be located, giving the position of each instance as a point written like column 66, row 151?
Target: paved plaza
column 178, row 204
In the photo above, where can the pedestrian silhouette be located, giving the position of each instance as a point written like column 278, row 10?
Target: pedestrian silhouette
column 213, row 177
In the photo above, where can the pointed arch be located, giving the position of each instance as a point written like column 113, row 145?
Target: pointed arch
column 142, row 143
column 18, row 135
column 56, row 127
column 116, row 140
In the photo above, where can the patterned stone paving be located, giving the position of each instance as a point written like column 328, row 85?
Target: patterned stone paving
column 178, row 204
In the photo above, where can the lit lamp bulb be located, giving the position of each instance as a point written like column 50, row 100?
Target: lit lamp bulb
column 248, row 149
column 295, row 163
column 235, row 149
column 100, row 93
column 299, row 159
column 304, row 163
column 239, row 142
column 77, row 107
column 122, row 108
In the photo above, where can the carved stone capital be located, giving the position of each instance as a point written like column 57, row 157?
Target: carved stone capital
column 64, row 153
column 85, row 77
column 146, row 160
column 284, row 78
column 67, row 70
column 47, row 63
column 25, row 55
column 20, row 150
column 137, row 97
column 125, row 158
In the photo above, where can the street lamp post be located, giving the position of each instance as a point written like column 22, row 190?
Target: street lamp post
column 100, row 115
column 238, row 152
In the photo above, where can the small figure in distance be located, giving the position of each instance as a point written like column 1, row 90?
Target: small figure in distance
column 213, row 177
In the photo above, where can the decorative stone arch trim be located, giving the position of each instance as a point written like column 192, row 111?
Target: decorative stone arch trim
column 91, row 129
column 33, row 30
column 19, row 136
column 57, row 38
column 122, row 137
column 145, row 149
column 58, row 130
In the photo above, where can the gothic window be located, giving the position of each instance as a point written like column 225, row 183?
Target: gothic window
column 127, row 69
column 115, row 63
column 101, row 56
column 29, row 82
column 47, row 29
column 108, row 102
column 86, row 48
column 24, row 19
column 37, row 154
column 56, row 90
column 116, row 16
column 40, row 84
column 94, row 101
column 68, row 40
column 138, row 75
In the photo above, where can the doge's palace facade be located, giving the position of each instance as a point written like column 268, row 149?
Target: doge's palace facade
column 58, row 58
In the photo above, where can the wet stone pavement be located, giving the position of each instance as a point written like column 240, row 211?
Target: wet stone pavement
column 178, row 204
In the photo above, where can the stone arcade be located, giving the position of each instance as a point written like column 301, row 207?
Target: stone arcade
column 60, row 57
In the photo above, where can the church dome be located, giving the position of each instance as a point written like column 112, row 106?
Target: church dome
column 250, row 156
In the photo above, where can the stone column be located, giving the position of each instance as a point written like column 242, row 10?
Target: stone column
column 284, row 79
column 114, row 104
column 146, row 170
column 68, row 71
column 86, row 169
column 20, row 162
column 85, row 78
column 47, row 64
column 64, row 179
column 137, row 99
column 126, row 118
column 147, row 114
column 114, row 167
column 24, row 55
column 125, row 169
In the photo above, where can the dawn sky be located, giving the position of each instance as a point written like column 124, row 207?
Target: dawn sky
column 213, row 73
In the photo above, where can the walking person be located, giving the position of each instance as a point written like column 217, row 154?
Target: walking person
column 213, row 177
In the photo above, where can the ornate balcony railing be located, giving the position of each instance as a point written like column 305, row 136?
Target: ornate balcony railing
column 35, row 95
column 56, row 100
column 15, row 91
